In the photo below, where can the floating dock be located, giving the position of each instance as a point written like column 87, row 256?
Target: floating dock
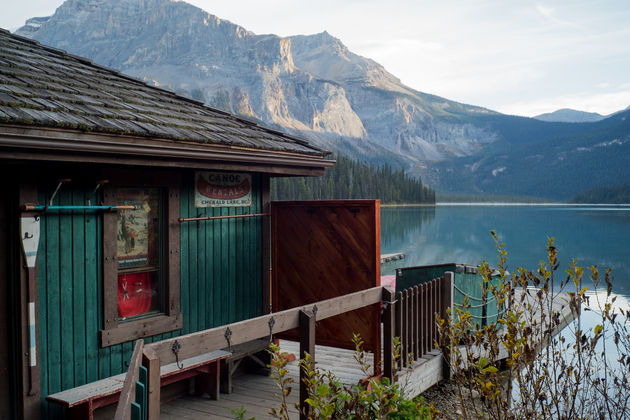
column 392, row 257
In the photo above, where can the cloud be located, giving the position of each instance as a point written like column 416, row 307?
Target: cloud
column 549, row 13
column 546, row 11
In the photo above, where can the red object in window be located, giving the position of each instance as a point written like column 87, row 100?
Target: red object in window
column 134, row 294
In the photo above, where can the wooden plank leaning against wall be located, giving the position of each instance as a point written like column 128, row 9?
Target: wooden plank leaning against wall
column 28, row 404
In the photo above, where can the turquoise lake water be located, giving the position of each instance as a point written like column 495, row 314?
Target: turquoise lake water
column 594, row 235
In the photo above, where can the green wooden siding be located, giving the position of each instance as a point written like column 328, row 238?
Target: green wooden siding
column 220, row 263
column 220, row 283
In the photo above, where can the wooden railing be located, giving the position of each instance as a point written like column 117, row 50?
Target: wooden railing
column 133, row 397
column 417, row 311
column 303, row 317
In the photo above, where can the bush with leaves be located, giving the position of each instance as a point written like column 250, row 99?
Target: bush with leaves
column 330, row 399
column 522, row 366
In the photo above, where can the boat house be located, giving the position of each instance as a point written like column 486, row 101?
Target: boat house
column 129, row 212
column 137, row 229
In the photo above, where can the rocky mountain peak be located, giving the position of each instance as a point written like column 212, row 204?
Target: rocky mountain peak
column 311, row 85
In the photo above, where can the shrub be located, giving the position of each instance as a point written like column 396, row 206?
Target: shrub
column 520, row 367
column 330, row 399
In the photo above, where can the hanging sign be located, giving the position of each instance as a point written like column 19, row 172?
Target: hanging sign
column 223, row 189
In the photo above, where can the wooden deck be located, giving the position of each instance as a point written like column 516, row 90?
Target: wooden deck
column 257, row 393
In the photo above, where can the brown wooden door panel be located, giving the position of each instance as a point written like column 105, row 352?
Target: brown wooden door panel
column 324, row 249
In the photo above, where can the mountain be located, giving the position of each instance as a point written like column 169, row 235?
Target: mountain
column 311, row 86
column 597, row 155
column 570, row 116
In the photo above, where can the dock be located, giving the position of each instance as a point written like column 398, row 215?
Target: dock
column 257, row 393
column 392, row 257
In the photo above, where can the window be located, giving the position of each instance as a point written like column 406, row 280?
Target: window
column 139, row 252
column 141, row 260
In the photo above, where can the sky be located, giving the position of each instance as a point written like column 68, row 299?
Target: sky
column 517, row 57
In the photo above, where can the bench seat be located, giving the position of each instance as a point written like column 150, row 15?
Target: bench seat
column 80, row 402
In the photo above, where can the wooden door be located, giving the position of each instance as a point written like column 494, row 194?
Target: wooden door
column 324, row 249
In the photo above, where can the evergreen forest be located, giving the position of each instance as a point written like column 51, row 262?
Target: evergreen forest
column 615, row 194
column 351, row 179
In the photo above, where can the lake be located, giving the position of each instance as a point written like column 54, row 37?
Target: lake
column 594, row 235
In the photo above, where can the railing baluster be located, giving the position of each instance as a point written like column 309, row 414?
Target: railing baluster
column 427, row 314
column 398, row 323
column 421, row 320
column 432, row 319
column 447, row 302
column 438, row 301
column 404, row 339
column 416, row 322
column 412, row 324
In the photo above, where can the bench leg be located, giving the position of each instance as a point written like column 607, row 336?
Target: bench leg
column 82, row 411
column 208, row 381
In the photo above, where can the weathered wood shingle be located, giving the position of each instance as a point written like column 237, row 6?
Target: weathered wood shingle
column 46, row 87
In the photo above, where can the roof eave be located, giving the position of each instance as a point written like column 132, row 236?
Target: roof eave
column 37, row 144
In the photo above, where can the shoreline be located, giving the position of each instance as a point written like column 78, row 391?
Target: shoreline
column 502, row 204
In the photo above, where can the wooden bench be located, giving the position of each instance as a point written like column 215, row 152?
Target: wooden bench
column 241, row 352
column 80, row 402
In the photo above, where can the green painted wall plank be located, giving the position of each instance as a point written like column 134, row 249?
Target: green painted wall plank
column 232, row 240
column 193, row 274
column 247, row 266
column 53, row 303
column 66, row 291
column 116, row 361
column 210, row 280
column 78, row 290
column 201, row 272
column 185, row 197
column 92, row 286
column 235, row 264
column 226, row 283
column 256, row 256
column 216, row 270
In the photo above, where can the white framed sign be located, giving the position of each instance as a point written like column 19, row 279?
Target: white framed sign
column 223, row 189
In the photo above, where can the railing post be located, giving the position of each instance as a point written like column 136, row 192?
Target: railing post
column 123, row 410
column 151, row 361
column 389, row 312
column 307, row 345
column 447, row 302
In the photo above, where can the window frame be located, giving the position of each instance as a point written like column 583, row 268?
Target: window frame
column 113, row 330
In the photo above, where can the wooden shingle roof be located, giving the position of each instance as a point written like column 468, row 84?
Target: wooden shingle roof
column 44, row 87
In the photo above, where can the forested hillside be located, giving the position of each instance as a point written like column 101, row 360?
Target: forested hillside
column 350, row 179
column 616, row 194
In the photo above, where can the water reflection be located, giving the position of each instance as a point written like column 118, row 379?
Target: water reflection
column 445, row 234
